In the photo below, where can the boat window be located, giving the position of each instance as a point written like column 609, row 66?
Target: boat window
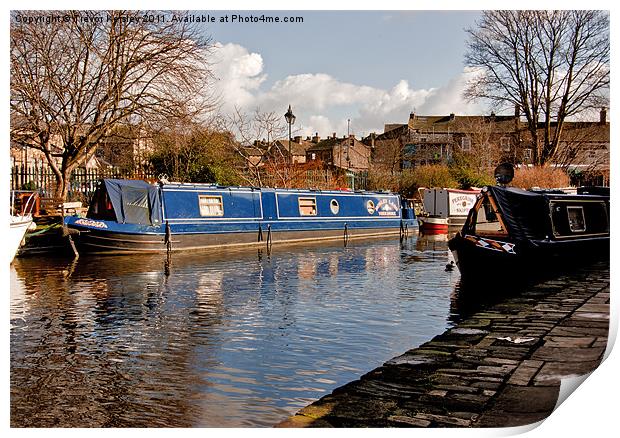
column 370, row 206
column 576, row 220
column 487, row 221
column 307, row 206
column 211, row 205
column 334, row 207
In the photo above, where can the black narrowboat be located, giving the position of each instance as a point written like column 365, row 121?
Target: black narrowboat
column 512, row 235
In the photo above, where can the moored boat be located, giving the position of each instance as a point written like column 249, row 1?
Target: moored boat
column 20, row 222
column 135, row 216
column 433, row 224
column 512, row 235
column 450, row 204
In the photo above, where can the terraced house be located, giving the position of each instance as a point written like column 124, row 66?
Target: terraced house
column 583, row 150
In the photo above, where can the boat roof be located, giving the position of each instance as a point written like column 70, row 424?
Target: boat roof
column 526, row 212
column 206, row 186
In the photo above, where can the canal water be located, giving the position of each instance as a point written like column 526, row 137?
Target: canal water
column 233, row 339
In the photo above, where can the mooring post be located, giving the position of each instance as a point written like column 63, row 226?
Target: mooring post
column 168, row 237
column 65, row 232
column 269, row 236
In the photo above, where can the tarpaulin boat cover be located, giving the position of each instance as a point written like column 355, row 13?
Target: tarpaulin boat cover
column 525, row 213
column 134, row 201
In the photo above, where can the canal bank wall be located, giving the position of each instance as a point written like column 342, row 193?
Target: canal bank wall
column 501, row 366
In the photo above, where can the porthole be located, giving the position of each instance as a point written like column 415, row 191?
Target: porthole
column 334, row 207
column 370, row 206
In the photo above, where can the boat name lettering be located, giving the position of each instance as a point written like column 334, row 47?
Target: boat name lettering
column 460, row 204
column 91, row 223
column 385, row 207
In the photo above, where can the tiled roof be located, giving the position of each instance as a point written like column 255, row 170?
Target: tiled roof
column 297, row 149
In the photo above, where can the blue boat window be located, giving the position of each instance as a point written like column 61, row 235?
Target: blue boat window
column 307, row 206
column 334, row 207
column 576, row 220
column 211, row 205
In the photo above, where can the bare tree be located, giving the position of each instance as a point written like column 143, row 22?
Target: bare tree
column 553, row 65
column 75, row 75
column 257, row 134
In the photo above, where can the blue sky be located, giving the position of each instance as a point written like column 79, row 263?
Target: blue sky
column 376, row 48
column 372, row 67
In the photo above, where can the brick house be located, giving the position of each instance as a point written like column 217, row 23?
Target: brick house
column 346, row 153
column 278, row 151
column 584, row 148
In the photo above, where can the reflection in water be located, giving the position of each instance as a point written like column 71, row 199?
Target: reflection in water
column 231, row 339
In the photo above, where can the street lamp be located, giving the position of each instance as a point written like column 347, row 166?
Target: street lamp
column 290, row 119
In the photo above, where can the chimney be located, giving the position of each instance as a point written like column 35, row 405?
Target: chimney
column 603, row 117
column 316, row 138
column 334, row 135
column 517, row 110
column 451, row 116
column 412, row 116
column 297, row 139
column 373, row 136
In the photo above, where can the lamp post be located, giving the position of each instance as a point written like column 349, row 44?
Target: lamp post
column 290, row 119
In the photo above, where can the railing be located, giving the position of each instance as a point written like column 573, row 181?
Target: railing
column 82, row 183
column 318, row 179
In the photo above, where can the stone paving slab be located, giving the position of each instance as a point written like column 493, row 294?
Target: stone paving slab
column 500, row 367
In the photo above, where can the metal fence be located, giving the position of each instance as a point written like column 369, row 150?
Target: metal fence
column 82, row 183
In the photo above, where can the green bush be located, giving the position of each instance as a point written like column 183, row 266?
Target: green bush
column 434, row 175
column 468, row 177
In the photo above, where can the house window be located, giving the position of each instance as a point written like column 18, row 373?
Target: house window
column 211, row 205
column 505, row 144
column 307, row 206
column 313, row 156
column 423, row 139
column 576, row 221
column 527, row 154
column 466, row 143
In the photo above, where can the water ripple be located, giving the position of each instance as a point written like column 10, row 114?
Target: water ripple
column 233, row 339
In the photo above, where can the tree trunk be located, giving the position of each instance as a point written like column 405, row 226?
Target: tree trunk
column 62, row 186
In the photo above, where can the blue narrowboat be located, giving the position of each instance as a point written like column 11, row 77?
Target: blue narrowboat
column 136, row 216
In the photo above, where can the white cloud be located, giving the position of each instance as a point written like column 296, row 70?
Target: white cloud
column 322, row 103
column 238, row 74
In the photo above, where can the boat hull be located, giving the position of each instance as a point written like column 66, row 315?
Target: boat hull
column 110, row 242
column 19, row 226
column 504, row 265
column 432, row 225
